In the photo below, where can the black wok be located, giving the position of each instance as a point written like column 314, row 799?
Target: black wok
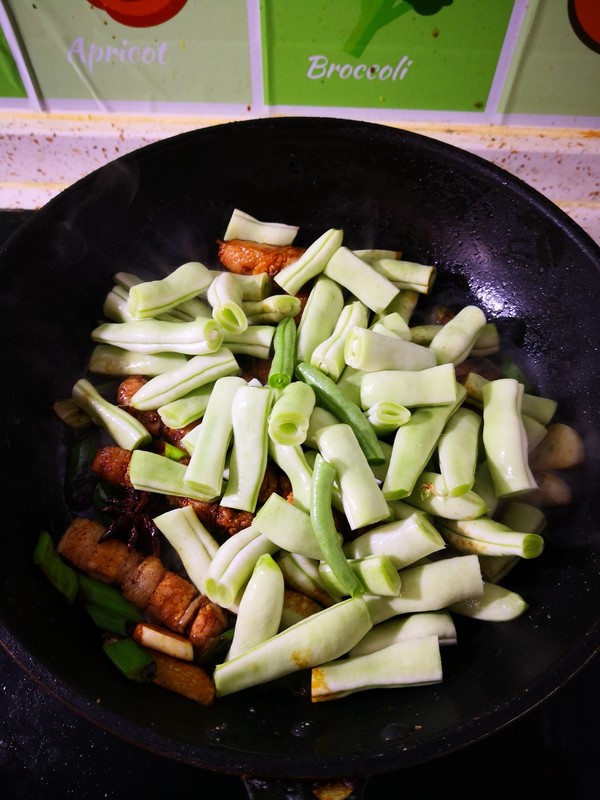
column 496, row 242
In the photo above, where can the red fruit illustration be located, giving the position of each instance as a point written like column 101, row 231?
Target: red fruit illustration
column 584, row 16
column 140, row 13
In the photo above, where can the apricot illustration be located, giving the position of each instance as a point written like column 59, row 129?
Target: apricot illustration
column 140, row 13
column 584, row 16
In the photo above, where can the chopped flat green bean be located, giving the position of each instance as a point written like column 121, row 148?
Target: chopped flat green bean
column 284, row 354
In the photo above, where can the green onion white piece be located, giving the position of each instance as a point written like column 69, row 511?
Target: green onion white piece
column 496, row 604
column 151, row 472
column 407, row 274
column 311, row 263
column 260, row 607
column 204, row 472
column 489, row 537
column 249, row 415
column 361, row 280
column 108, row 359
column 329, row 355
column 232, row 565
column 225, row 296
column 387, row 417
column 363, row 500
column 414, row 662
column 243, row 226
column 431, row 496
column 187, row 409
column 504, row 438
column 454, row 342
column 376, row 574
column 193, row 543
column 319, row 638
column 271, row 309
column 288, row 527
column 321, row 311
column 291, row 459
column 151, row 298
column 426, row 387
column 197, row 371
column 371, row 351
column 458, row 450
column 430, row 587
column 256, row 341
column 413, row 445
column 125, row 429
column 403, row 541
column 290, row 414
column 411, row 626
column 157, row 336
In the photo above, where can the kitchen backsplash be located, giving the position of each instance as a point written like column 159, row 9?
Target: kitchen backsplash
column 520, row 62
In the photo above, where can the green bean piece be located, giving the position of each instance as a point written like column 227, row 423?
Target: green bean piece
column 225, row 296
column 334, row 400
column 361, row 280
column 172, row 385
column 387, row 417
column 430, row 495
column 108, row 359
column 243, row 226
column 211, row 444
column 250, row 417
column 411, row 626
column 232, row 566
column 392, row 323
column 362, row 499
column 426, row 387
column 322, row 309
column 290, row 415
column 371, row 351
column 319, row 418
column 193, row 543
column 415, row 662
column 150, row 298
column 376, row 574
column 271, row 309
column 407, row 274
column 311, row 263
column 151, row 472
column 152, row 336
column 325, row 530
column 403, row 541
column 518, row 516
column 288, row 527
column 504, row 438
column 188, row 409
column 454, row 342
column 539, row 408
column 414, row 444
column 350, row 382
column 260, row 607
column 458, row 451
column 326, row 635
column 488, row 537
column 496, row 604
column 125, row 429
column 371, row 254
column 256, row 341
column 302, row 575
column 403, row 304
column 430, row 587
column 58, row 572
column 131, row 660
column 291, row 459
column 284, row 354
column 329, row 355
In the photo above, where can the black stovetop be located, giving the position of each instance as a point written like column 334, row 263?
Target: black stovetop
column 48, row 752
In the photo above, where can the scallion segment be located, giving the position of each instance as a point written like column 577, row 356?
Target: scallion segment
column 63, row 577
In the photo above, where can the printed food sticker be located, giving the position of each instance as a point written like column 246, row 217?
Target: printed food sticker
column 155, row 51
column 417, row 54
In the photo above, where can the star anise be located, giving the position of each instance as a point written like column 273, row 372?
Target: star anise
column 132, row 522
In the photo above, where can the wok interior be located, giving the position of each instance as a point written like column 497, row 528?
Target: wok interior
column 495, row 243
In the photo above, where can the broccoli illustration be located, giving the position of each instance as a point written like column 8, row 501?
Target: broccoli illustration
column 376, row 14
